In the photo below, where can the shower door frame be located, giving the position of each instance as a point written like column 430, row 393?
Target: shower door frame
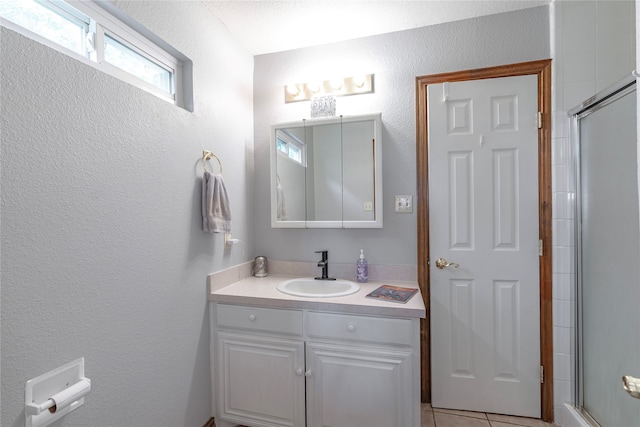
column 591, row 105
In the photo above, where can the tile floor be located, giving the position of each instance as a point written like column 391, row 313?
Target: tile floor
column 434, row 417
column 431, row 417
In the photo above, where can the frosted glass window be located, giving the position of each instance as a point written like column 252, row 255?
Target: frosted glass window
column 131, row 61
column 290, row 147
column 295, row 153
column 50, row 20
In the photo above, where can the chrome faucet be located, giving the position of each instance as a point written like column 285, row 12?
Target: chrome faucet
column 324, row 264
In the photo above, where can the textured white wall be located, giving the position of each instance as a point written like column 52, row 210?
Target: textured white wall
column 396, row 59
column 102, row 250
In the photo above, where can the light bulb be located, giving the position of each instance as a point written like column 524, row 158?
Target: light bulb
column 359, row 80
column 313, row 87
column 336, row 84
column 293, row 90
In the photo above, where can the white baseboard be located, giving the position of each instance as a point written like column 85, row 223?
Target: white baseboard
column 572, row 417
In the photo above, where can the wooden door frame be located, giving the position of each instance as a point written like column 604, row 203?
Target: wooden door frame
column 542, row 69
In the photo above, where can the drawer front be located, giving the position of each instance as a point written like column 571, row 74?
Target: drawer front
column 274, row 320
column 359, row 328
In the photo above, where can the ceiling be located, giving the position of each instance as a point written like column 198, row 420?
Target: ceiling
column 267, row 26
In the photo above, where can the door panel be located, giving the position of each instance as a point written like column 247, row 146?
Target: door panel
column 505, row 178
column 262, row 382
column 350, row 386
column 461, row 181
column 506, row 331
column 461, row 321
column 483, row 199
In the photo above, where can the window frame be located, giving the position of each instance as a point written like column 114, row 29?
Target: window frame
column 290, row 140
column 122, row 74
column 104, row 18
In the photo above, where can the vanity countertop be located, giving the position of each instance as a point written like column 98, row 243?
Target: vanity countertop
column 262, row 292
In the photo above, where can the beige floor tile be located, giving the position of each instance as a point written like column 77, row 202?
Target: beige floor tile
column 426, row 407
column 501, row 424
column 451, row 420
column 470, row 414
column 426, row 417
column 502, row 420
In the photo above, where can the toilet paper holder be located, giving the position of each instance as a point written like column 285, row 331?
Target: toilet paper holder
column 53, row 395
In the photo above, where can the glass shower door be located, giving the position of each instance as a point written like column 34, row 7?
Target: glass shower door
column 608, row 258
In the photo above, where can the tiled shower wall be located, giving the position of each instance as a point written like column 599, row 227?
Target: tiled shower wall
column 592, row 46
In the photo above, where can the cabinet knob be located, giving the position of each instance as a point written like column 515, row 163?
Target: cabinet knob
column 351, row 328
column 299, row 372
column 307, row 373
column 252, row 317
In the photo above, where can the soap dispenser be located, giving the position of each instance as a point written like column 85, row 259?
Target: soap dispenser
column 362, row 268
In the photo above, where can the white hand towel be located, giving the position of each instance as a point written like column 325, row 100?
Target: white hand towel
column 216, row 211
column 282, row 209
column 205, row 217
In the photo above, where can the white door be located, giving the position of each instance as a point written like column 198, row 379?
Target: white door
column 483, row 215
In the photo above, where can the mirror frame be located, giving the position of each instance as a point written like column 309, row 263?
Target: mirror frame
column 377, row 166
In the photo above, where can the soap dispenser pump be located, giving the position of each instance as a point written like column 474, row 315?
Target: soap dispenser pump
column 362, row 268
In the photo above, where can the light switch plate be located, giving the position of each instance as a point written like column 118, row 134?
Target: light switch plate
column 404, row 204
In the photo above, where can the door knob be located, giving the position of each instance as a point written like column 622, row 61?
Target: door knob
column 443, row 263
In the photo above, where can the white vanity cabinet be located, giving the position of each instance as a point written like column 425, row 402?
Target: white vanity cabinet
column 360, row 370
column 298, row 367
column 258, row 366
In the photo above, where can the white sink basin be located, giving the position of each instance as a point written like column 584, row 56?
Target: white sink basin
column 312, row 288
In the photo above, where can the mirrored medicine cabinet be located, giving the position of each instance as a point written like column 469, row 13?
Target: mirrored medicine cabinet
column 327, row 173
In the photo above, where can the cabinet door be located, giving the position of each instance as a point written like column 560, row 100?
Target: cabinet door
column 351, row 386
column 260, row 380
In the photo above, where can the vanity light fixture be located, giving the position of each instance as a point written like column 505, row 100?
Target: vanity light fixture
column 355, row 85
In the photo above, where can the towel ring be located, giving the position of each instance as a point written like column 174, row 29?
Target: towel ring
column 206, row 155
